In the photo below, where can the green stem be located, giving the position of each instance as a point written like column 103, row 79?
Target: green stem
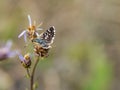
column 28, row 72
column 32, row 74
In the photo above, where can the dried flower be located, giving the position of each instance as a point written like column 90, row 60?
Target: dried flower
column 31, row 31
column 41, row 51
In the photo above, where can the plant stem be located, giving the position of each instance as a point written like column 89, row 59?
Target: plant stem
column 32, row 74
column 28, row 72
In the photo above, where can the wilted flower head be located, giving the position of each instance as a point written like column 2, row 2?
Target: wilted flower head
column 41, row 51
column 6, row 52
column 25, row 60
column 31, row 31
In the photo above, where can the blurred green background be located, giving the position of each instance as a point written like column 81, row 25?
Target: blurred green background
column 86, row 49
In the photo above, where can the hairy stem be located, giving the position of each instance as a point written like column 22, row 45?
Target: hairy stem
column 33, row 73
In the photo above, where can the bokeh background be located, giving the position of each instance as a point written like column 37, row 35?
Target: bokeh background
column 86, row 49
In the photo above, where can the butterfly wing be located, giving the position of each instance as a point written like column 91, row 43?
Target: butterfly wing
column 48, row 35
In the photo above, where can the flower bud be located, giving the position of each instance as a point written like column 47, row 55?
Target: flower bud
column 26, row 60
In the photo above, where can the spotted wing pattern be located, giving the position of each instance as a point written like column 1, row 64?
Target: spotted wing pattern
column 48, row 35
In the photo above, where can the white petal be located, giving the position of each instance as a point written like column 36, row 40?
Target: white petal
column 25, row 37
column 39, row 29
column 37, row 34
column 40, row 24
column 22, row 33
column 30, row 21
column 40, row 34
column 20, row 56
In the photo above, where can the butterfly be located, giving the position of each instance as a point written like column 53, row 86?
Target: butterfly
column 46, row 38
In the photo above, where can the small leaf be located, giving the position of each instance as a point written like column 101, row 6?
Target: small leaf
column 35, row 85
column 27, row 76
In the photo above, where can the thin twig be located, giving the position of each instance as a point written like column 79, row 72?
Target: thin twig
column 32, row 74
